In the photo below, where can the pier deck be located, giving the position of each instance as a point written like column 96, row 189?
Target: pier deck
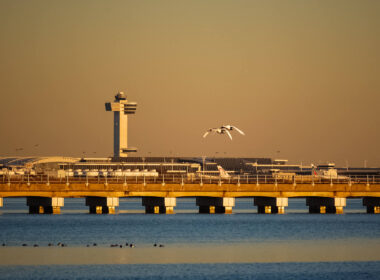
column 188, row 190
column 212, row 196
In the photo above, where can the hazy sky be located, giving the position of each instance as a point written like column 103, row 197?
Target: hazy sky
column 300, row 78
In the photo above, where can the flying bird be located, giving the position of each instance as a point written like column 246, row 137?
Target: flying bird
column 224, row 129
column 231, row 127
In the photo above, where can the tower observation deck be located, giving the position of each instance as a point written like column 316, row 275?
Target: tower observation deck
column 121, row 108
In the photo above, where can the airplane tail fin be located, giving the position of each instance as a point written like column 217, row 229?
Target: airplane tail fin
column 223, row 173
column 314, row 170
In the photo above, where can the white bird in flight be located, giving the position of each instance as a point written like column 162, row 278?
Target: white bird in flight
column 224, row 129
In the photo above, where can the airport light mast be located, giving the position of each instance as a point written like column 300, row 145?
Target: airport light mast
column 121, row 108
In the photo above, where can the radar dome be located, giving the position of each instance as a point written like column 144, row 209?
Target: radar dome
column 120, row 96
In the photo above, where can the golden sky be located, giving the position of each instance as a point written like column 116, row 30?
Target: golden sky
column 300, row 78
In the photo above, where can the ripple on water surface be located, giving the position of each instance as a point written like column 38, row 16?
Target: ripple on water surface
column 273, row 271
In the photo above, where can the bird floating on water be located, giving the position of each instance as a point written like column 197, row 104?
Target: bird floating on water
column 224, row 129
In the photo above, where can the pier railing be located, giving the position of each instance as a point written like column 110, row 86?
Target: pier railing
column 190, row 179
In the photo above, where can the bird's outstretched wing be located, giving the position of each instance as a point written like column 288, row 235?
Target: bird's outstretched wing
column 228, row 133
column 238, row 130
column 208, row 131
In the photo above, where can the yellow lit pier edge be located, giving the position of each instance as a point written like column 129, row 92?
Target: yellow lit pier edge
column 159, row 196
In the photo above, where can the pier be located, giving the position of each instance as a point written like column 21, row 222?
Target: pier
column 213, row 195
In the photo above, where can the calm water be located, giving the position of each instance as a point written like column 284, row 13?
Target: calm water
column 272, row 271
column 243, row 245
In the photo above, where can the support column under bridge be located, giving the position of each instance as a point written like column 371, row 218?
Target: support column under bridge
column 159, row 205
column 44, row 205
column 218, row 205
column 102, row 205
column 270, row 205
column 1, row 202
column 323, row 205
column 372, row 204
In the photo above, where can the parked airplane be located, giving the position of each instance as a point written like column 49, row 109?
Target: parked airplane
column 327, row 172
column 223, row 174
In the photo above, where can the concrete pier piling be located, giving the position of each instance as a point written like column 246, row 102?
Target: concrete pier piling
column 270, row 205
column 159, row 205
column 1, row 202
column 372, row 204
column 215, row 205
column 322, row 205
column 44, row 205
column 102, row 205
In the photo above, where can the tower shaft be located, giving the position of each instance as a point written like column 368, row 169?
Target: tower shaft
column 120, row 134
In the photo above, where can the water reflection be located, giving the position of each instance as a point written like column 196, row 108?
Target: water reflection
column 273, row 252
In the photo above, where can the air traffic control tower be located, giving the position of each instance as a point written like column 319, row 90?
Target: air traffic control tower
column 121, row 109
